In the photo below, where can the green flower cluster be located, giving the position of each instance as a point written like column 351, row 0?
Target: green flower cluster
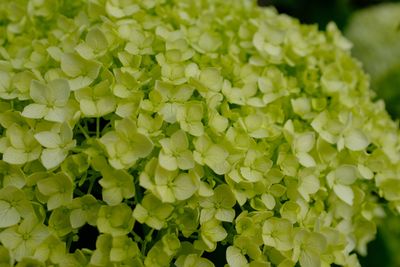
column 178, row 128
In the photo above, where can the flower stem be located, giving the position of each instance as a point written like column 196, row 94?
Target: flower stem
column 97, row 127
column 83, row 131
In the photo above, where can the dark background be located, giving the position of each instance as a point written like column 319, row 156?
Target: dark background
column 385, row 249
column 321, row 11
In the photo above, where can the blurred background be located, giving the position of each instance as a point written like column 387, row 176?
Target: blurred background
column 373, row 26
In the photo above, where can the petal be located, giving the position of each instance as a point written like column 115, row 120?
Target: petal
column 179, row 141
column 79, row 82
column 235, row 258
column 140, row 213
column 52, row 157
column 306, row 159
column 48, row 139
column 60, row 91
column 184, row 187
column 72, row 64
column 57, row 114
column 112, row 196
column 88, row 108
column 305, row 142
column 77, row 218
column 141, row 144
column 16, row 136
column 344, row 192
column 38, row 92
column 8, row 215
column 10, row 238
column 167, row 161
column 308, row 185
column 15, row 156
column 226, row 215
column 346, row 174
column 35, row 111
column 106, row 105
column 185, row 160
column 356, row 140
column 165, row 194
column 310, row 259
column 96, row 39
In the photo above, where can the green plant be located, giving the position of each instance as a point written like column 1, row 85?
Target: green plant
column 186, row 132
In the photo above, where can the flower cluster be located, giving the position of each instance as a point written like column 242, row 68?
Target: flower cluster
column 182, row 132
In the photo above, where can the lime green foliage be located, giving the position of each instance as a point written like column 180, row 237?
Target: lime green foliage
column 180, row 129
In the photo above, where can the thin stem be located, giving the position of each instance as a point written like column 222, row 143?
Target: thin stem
column 78, row 192
column 69, row 241
column 92, row 179
column 213, row 176
column 83, row 131
column 147, row 238
column 77, row 149
column 105, row 127
column 97, row 127
column 149, row 234
column 136, row 237
column 216, row 178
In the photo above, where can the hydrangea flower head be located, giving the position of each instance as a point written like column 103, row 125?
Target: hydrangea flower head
column 173, row 130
